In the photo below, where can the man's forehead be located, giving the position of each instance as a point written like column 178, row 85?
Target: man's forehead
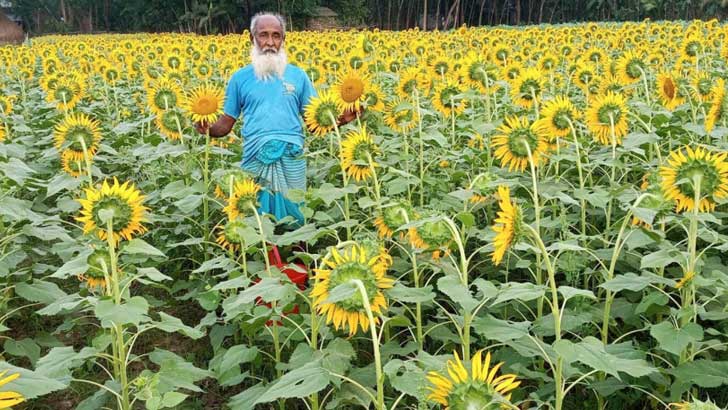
column 268, row 23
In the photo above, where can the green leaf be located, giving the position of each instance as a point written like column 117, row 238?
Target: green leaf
column 16, row 170
column 500, row 330
column 301, row 382
column 59, row 361
column 629, row 281
column 23, row 348
column 457, row 292
column 61, row 182
column 701, row 372
column 342, row 292
column 307, row 233
column 520, row 291
column 591, row 352
column 660, row 259
column 235, row 356
column 31, row 384
column 268, row 289
column 404, row 294
column 246, row 399
column 172, row 324
column 337, row 356
column 138, row 246
column 75, row 266
column 175, row 372
column 133, row 312
column 153, row 274
column 235, row 283
column 40, row 291
column 568, row 292
column 406, row 377
column 173, row 398
column 674, row 340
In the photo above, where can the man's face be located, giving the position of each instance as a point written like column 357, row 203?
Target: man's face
column 268, row 35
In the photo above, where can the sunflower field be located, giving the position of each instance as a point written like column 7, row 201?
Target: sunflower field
column 520, row 218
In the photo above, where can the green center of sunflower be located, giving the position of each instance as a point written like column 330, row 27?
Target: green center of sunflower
column 203, row 69
column 472, row 395
column 709, row 177
column 173, row 61
column 356, row 62
column 692, row 48
column 609, row 109
column 335, row 65
column 76, row 134
column 63, row 94
column 235, row 231
column 441, row 67
column 120, row 211
column 435, row 233
column 704, row 85
column 585, row 77
column 447, row 96
column 561, row 119
column 165, row 99
column 98, row 263
column 347, row 272
column 519, row 138
column 634, row 68
column 371, row 98
column 326, row 114
column 245, row 202
column 313, row 74
column 172, row 120
column 529, row 89
column 409, row 86
column 395, row 66
column 404, row 116
column 111, row 74
column 501, row 54
column 393, row 217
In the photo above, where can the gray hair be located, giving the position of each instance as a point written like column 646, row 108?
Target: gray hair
column 278, row 17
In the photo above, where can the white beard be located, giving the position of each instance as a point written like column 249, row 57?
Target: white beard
column 267, row 64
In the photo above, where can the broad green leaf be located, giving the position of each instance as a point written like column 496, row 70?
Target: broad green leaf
column 133, row 312
column 31, row 384
column 457, row 292
column 59, row 361
column 138, row 246
column 235, row 356
column 337, row 356
column 74, row 266
column 246, row 399
column 239, row 282
column 402, row 293
column 16, row 170
column 307, row 233
column 23, row 348
column 175, row 372
column 153, row 274
column 61, row 182
column 674, row 340
column 701, row 372
column 519, row 291
column 300, row 382
column 342, row 292
column 500, row 330
column 628, row 281
column 568, row 292
column 268, row 289
column 220, row 262
column 172, row 399
column 172, row 324
column 660, row 259
column 40, row 291
column 406, row 377
column 591, row 352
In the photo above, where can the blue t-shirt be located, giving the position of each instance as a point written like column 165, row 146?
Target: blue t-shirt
column 271, row 109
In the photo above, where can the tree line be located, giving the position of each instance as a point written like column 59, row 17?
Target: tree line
column 227, row 16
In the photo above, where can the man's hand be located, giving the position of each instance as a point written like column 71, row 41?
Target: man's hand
column 202, row 127
column 349, row 116
column 219, row 128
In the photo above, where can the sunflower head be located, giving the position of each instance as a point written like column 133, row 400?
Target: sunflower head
column 631, row 67
column 718, row 106
column 231, row 236
column 472, row 387
column 122, row 202
column 171, row 123
column 351, row 87
column 391, row 218
column 606, row 118
column 357, row 154
column 527, row 87
column 74, row 128
column 558, row 115
column 163, row 95
column 204, row 103
column 508, row 225
column 447, row 100
column 225, row 181
column 514, row 140
column 401, row 116
column 321, row 113
column 694, row 404
column 243, row 199
column 434, row 234
column 688, row 168
column 354, row 263
column 70, row 163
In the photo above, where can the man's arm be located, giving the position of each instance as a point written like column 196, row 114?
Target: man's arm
column 219, row 128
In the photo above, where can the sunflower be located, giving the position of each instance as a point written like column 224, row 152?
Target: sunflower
column 226, row 180
column 507, row 225
column 694, row 405
column 8, row 399
column 682, row 171
column 529, row 84
column 604, row 113
column 702, row 86
column 244, row 196
column 354, row 263
column 122, row 201
column 630, row 67
column 433, row 235
column 400, row 116
column 374, row 98
column 230, row 236
column 446, row 98
column 70, row 164
column 6, row 104
column 585, row 76
column 351, row 87
column 478, row 73
column 66, row 93
column 718, row 106
column 557, row 115
column 477, row 389
column 510, row 143
column 357, row 150
column 74, row 128
column 412, row 80
column 668, row 88
column 99, row 265
column 611, row 83
column 391, row 218
column 204, row 103
column 171, row 123
column 321, row 113
column 163, row 95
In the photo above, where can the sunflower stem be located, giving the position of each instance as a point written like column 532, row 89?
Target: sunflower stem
column 375, row 344
column 87, row 161
column 205, row 203
column 537, row 222
column 422, row 149
column 467, row 315
column 416, row 280
column 582, row 201
column 612, row 174
column 377, row 189
column 692, row 249
column 344, row 178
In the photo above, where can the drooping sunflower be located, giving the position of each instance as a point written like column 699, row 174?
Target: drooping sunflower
column 718, row 106
column 99, row 265
column 694, row 404
column 479, row 388
column 230, row 236
column 507, row 226
column 225, row 181
column 668, row 88
column 374, row 98
column 400, row 116
column 244, row 196
column 171, row 123
column 433, row 235
column 686, row 279
column 3, row 133
column 163, row 95
column 604, row 113
column 74, row 128
column 351, row 87
column 702, row 86
column 123, row 201
column 69, row 163
column 557, row 115
column 631, row 67
column 510, row 143
column 66, row 93
column 353, row 263
column 322, row 112
column 693, row 166
column 585, row 76
column 357, row 151
column 478, row 73
column 412, row 81
column 204, row 103
column 8, row 399
column 529, row 84
column 446, row 99
column 391, row 218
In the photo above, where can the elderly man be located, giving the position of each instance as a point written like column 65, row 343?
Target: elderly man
column 271, row 94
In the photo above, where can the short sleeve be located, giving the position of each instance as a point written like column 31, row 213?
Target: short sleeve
column 307, row 92
column 232, row 98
